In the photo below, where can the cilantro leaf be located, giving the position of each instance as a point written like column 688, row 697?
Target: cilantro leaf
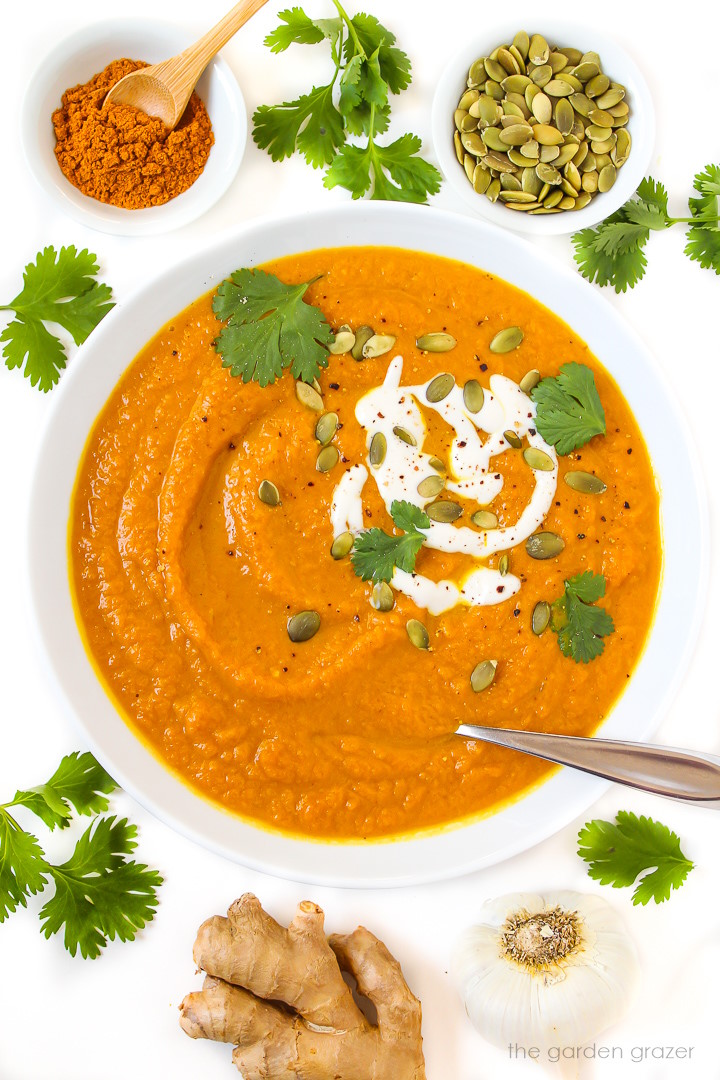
column 277, row 128
column 298, row 29
column 581, row 627
column 703, row 246
column 99, row 895
column 59, row 287
column 376, row 554
column 653, row 194
column 269, row 328
column 703, row 241
column 569, row 410
column 22, row 865
column 617, row 853
column 373, row 37
column 395, row 172
column 620, row 237
column 605, row 267
column 78, row 780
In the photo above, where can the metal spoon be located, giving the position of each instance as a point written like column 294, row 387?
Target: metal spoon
column 163, row 90
column 676, row 774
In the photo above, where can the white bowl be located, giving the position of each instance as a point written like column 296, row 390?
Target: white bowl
column 77, row 59
column 88, row 383
column 616, row 64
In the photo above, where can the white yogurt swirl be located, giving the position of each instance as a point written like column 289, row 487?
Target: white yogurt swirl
column 471, row 475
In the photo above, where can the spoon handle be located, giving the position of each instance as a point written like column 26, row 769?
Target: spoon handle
column 188, row 66
column 676, row 774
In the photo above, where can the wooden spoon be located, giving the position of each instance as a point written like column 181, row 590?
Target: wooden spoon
column 163, row 90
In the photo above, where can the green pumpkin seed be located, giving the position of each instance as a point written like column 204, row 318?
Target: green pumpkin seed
column 343, row 343
column 342, row 545
column 308, row 396
column 378, row 449
column 494, row 90
column 481, row 180
column 377, row 345
column 439, row 387
column 557, row 61
column 459, row 150
column 544, row 545
column 444, row 511
column 516, row 84
column 553, row 199
column 437, row 464
column 621, row 151
column 326, row 427
column 468, row 99
column 483, row 675
column 547, row 135
column 473, row 396
column 548, row 174
column 611, row 97
column 586, row 71
column 607, row 178
column 459, row 118
column 362, row 336
column 404, row 435
column 590, row 182
column 584, row 482
column 530, row 381
column 530, row 151
column 469, row 164
column 512, row 438
column 485, row 519
column 530, row 182
column 564, row 116
column 327, row 459
column 303, row 626
column 559, row 88
column 495, row 71
column 477, row 72
column 503, row 565
column 431, row 486
column 487, row 111
column 567, row 202
column 515, row 135
column 269, row 494
column 439, row 341
column 574, row 56
column 582, row 200
column 418, row 634
column 517, row 197
column 541, row 75
column 538, row 459
column 519, row 58
column 500, row 163
column 507, row 60
column 509, row 183
column 521, row 42
column 548, row 154
column 493, row 191
column 507, row 340
column 489, row 138
column 540, row 617
column 382, row 597
column 538, row 49
column 600, row 118
column 597, row 86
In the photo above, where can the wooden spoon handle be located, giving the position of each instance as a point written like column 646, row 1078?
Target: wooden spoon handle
column 187, row 67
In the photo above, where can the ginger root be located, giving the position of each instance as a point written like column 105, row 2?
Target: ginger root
column 279, row 996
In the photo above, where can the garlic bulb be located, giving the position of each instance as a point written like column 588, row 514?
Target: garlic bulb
column 545, row 971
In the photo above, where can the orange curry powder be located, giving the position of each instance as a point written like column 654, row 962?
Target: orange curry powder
column 121, row 156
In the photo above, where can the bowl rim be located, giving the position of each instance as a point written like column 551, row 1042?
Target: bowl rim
column 641, row 126
column 458, row 849
column 219, row 172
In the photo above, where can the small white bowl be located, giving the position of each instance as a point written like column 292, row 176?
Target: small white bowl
column 77, row 59
column 615, row 63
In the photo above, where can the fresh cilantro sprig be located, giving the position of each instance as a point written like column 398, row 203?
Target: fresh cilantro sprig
column 59, row 287
column 368, row 68
column 376, row 553
column 270, row 328
column 618, row 853
column 569, row 410
column 580, row 625
column 613, row 253
column 99, row 893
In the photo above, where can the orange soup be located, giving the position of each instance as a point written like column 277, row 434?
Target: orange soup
column 185, row 578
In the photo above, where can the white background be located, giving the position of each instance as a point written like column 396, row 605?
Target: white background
column 117, row 1016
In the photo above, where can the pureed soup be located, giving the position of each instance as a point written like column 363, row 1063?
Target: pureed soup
column 187, row 580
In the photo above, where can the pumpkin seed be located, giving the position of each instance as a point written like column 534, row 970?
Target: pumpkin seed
column 586, row 71
column 459, row 149
column 517, row 197
column 540, row 617
column 507, row 60
column 560, row 88
column 487, row 111
column 530, row 381
column 590, row 182
column 516, row 84
column 308, row 396
column 485, row 519
column 607, row 178
column 269, row 494
column 377, row 345
column 521, row 42
column 495, row 71
column 557, row 61
column 303, row 626
column 418, row 634
column 584, row 482
column 538, row 459
column 509, row 183
column 468, row 98
column 437, row 464
column 483, row 675
column 507, row 340
column 493, row 190
column 503, row 565
column 582, row 200
column 515, row 135
column 378, row 449
column 382, row 597
column 548, row 154
column 326, row 427
column 564, row 116
column 327, row 459
column 553, row 199
column 362, row 335
column 489, row 138
column 548, row 174
column 431, row 486
column 481, row 180
column 547, row 135
column 437, row 342
column 541, row 75
column 343, row 343
column 469, row 164
column 597, row 86
column 473, row 396
column 622, row 147
column 519, row 58
column 444, row 511
column 544, row 545
column 538, row 49
column 342, row 545
column 404, row 435
column 611, row 97
column 439, row 387
column 512, row 438
column 477, row 74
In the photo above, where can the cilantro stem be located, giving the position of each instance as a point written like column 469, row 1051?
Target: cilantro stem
column 351, row 29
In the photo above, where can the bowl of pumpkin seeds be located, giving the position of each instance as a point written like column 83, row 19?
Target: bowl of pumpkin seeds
column 546, row 130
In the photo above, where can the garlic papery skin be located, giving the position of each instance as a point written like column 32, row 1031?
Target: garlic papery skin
column 545, row 971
